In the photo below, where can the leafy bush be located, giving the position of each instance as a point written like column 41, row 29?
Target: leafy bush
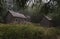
column 26, row 31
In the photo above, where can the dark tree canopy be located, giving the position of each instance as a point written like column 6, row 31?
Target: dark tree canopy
column 21, row 3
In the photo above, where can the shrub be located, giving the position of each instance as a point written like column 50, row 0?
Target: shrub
column 26, row 31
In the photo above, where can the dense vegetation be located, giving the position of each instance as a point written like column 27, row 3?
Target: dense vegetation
column 27, row 31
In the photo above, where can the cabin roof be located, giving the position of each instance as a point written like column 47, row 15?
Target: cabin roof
column 16, row 14
column 48, row 17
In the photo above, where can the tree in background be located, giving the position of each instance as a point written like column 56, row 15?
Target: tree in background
column 21, row 3
column 2, row 10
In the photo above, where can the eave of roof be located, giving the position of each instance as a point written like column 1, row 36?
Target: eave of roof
column 16, row 14
column 48, row 17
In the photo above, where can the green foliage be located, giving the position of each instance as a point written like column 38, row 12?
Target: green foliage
column 2, row 10
column 26, row 31
column 21, row 3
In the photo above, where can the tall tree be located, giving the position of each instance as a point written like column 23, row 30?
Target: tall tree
column 21, row 3
column 2, row 10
